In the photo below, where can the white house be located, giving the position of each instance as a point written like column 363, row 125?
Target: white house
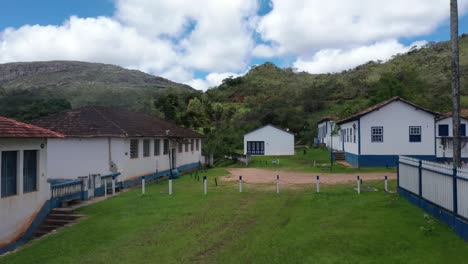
column 24, row 190
column 327, row 134
column 377, row 135
column 269, row 140
column 444, row 136
column 103, row 140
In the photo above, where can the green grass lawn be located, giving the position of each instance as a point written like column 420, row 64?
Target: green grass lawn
column 305, row 163
column 257, row 226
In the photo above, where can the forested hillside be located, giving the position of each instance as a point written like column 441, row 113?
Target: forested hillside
column 266, row 94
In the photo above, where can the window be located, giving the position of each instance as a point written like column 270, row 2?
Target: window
column 30, row 171
column 166, row 147
column 377, row 134
column 462, row 130
column 180, row 147
column 186, row 147
column 347, row 135
column 146, row 148
column 415, row 134
column 443, row 130
column 351, row 135
column 9, row 173
column 197, row 144
column 134, row 148
column 255, row 147
column 354, row 135
column 192, row 144
column 157, row 147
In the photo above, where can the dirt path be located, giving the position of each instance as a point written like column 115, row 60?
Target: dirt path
column 251, row 175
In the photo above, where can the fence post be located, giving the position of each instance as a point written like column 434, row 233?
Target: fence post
column 113, row 185
column 170, row 186
column 420, row 178
column 318, row 184
column 204, row 185
column 105, row 187
column 398, row 174
column 216, row 182
column 143, row 185
column 386, row 184
column 240, row 183
column 358, row 185
column 455, row 191
column 277, row 184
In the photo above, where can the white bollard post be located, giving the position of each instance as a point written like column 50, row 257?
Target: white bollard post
column 143, row 185
column 170, row 186
column 240, row 183
column 105, row 188
column 318, row 184
column 113, row 186
column 314, row 163
column 277, row 184
column 358, row 185
column 205, row 187
column 386, row 184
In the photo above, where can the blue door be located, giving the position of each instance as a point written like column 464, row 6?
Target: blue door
column 256, row 147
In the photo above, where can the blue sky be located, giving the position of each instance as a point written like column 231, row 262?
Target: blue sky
column 255, row 31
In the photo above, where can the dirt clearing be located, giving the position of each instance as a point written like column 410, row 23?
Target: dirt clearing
column 267, row 176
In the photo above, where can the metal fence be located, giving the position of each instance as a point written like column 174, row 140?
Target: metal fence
column 438, row 184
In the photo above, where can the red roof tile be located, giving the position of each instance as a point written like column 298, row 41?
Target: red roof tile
column 380, row 105
column 463, row 114
column 10, row 128
column 98, row 121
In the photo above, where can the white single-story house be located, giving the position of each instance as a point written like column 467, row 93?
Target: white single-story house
column 105, row 140
column 444, row 136
column 269, row 141
column 377, row 135
column 24, row 189
column 327, row 134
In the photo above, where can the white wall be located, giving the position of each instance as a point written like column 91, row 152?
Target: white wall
column 350, row 145
column 444, row 146
column 70, row 158
column 277, row 142
column 396, row 118
column 18, row 211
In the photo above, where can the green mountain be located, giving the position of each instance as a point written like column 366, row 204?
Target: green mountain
column 296, row 100
column 32, row 89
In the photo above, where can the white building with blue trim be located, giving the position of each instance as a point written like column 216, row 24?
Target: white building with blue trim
column 376, row 136
column 269, row 140
column 444, row 136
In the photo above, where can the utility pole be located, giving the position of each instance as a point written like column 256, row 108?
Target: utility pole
column 455, row 83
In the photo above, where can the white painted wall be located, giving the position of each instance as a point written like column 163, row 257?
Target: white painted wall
column 277, row 141
column 396, row 118
column 70, row 158
column 17, row 212
column 348, row 143
column 444, row 147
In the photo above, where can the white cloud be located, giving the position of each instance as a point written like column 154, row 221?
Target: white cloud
column 176, row 38
column 304, row 27
column 211, row 80
column 336, row 60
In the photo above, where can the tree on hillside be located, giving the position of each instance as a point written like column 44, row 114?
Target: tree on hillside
column 455, row 83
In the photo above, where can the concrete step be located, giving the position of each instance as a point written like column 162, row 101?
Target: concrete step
column 47, row 228
column 71, row 217
column 55, row 222
column 65, row 210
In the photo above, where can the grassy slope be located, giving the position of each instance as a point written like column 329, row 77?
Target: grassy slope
column 305, row 163
column 257, row 226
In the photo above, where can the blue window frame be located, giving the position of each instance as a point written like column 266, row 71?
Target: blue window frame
column 377, row 134
column 443, row 130
column 30, row 160
column 256, row 147
column 415, row 134
column 462, row 130
column 9, row 173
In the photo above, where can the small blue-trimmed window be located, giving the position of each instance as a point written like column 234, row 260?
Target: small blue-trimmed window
column 415, row 134
column 30, row 159
column 9, row 173
column 376, row 134
column 443, row 130
column 462, row 130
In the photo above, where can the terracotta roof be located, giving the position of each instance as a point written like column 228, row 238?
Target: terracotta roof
column 380, row 105
column 10, row 128
column 463, row 114
column 284, row 130
column 98, row 121
column 327, row 118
